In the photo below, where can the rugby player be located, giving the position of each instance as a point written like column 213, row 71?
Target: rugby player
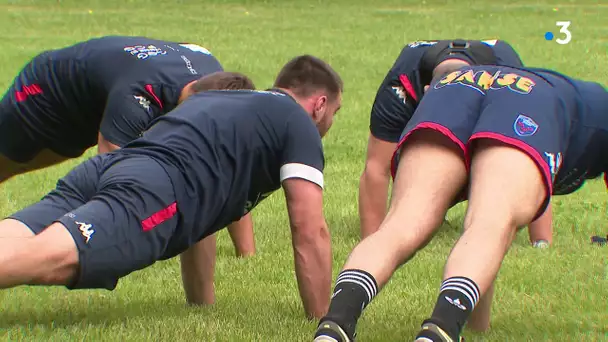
column 103, row 91
column 395, row 102
column 506, row 139
column 194, row 170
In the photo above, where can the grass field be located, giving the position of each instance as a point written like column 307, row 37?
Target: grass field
column 557, row 294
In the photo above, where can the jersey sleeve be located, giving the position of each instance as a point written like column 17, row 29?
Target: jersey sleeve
column 397, row 96
column 126, row 116
column 302, row 154
column 391, row 110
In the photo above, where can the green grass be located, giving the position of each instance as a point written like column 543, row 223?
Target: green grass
column 542, row 295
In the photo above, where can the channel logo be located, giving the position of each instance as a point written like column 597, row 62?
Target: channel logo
column 566, row 35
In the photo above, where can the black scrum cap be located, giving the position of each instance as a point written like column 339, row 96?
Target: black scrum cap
column 473, row 52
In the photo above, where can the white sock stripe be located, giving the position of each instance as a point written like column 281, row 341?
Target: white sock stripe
column 371, row 282
column 465, row 285
column 369, row 295
column 369, row 287
column 463, row 289
column 472, row 286
column 472, row 304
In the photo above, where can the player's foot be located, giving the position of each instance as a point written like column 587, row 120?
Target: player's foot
column 430, row 332
column 598, row 240
column 541, row 244
column 329, row 331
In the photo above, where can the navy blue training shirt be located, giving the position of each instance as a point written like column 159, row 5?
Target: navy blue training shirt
column 586, row 155
column 228, row 150
column 402, row 88
column 117, row 85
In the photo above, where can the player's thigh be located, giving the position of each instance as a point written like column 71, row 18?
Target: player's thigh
column 527, row 134
column 44, row 120
column 451, row 111
column 505, row 185
column 23, row 150
column 17, row 147
column 127, row 226
column 71, row 192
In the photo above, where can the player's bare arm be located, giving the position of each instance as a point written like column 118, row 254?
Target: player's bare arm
column 198, row 270
column 374, row 184
column 104, row 146
column 241, row 234
column 541, row 230
column 311, row 244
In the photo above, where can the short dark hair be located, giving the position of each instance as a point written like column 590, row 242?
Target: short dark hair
column 306, row 74
column 223, row 80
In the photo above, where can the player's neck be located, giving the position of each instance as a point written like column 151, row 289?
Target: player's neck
column 286, row 92
column 186, row 91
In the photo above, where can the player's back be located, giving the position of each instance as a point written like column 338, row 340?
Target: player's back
column 413, row 66
column 228, row 147
column 586, row 103
column 114, row 59
column 88, row 72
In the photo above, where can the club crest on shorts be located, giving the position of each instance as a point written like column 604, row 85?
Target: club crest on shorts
column 524, row 126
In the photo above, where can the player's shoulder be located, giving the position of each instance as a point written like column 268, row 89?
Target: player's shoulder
column 500, row 47
column 255, row 100
column 425, row 44
column 274, row 100
column 409, row 57
column 118, row 41
column 494, row 43
column 415, row 49
column 552, row 75
column 282, row 109
column 145, row 47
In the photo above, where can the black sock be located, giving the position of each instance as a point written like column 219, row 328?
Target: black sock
column 354, row 290
column 457, row 299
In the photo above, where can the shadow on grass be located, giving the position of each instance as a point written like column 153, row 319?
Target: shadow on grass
column 73, row 311
column 537, row 327
column 97, row 312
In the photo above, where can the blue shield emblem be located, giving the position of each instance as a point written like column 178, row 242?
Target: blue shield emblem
column 524, row 126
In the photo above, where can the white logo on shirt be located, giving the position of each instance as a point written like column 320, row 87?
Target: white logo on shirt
column 189, row 65
column 86, row 230
column 251, row 204
column 144, row 102
column 421, row 43
column 144, row 51
column 196, row 48
column 400, row 92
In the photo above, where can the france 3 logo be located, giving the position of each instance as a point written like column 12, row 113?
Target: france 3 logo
column 567, row 35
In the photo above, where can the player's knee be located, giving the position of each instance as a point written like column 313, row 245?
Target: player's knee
column 486, row 219
column 408, row 238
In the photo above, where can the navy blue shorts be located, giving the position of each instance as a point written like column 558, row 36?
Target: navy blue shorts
column 31, row 119
column 16, row 141
column 510, row 105
column 120, row 210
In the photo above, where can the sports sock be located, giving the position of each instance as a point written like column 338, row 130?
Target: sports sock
column 354, row 290
column 457, row 299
